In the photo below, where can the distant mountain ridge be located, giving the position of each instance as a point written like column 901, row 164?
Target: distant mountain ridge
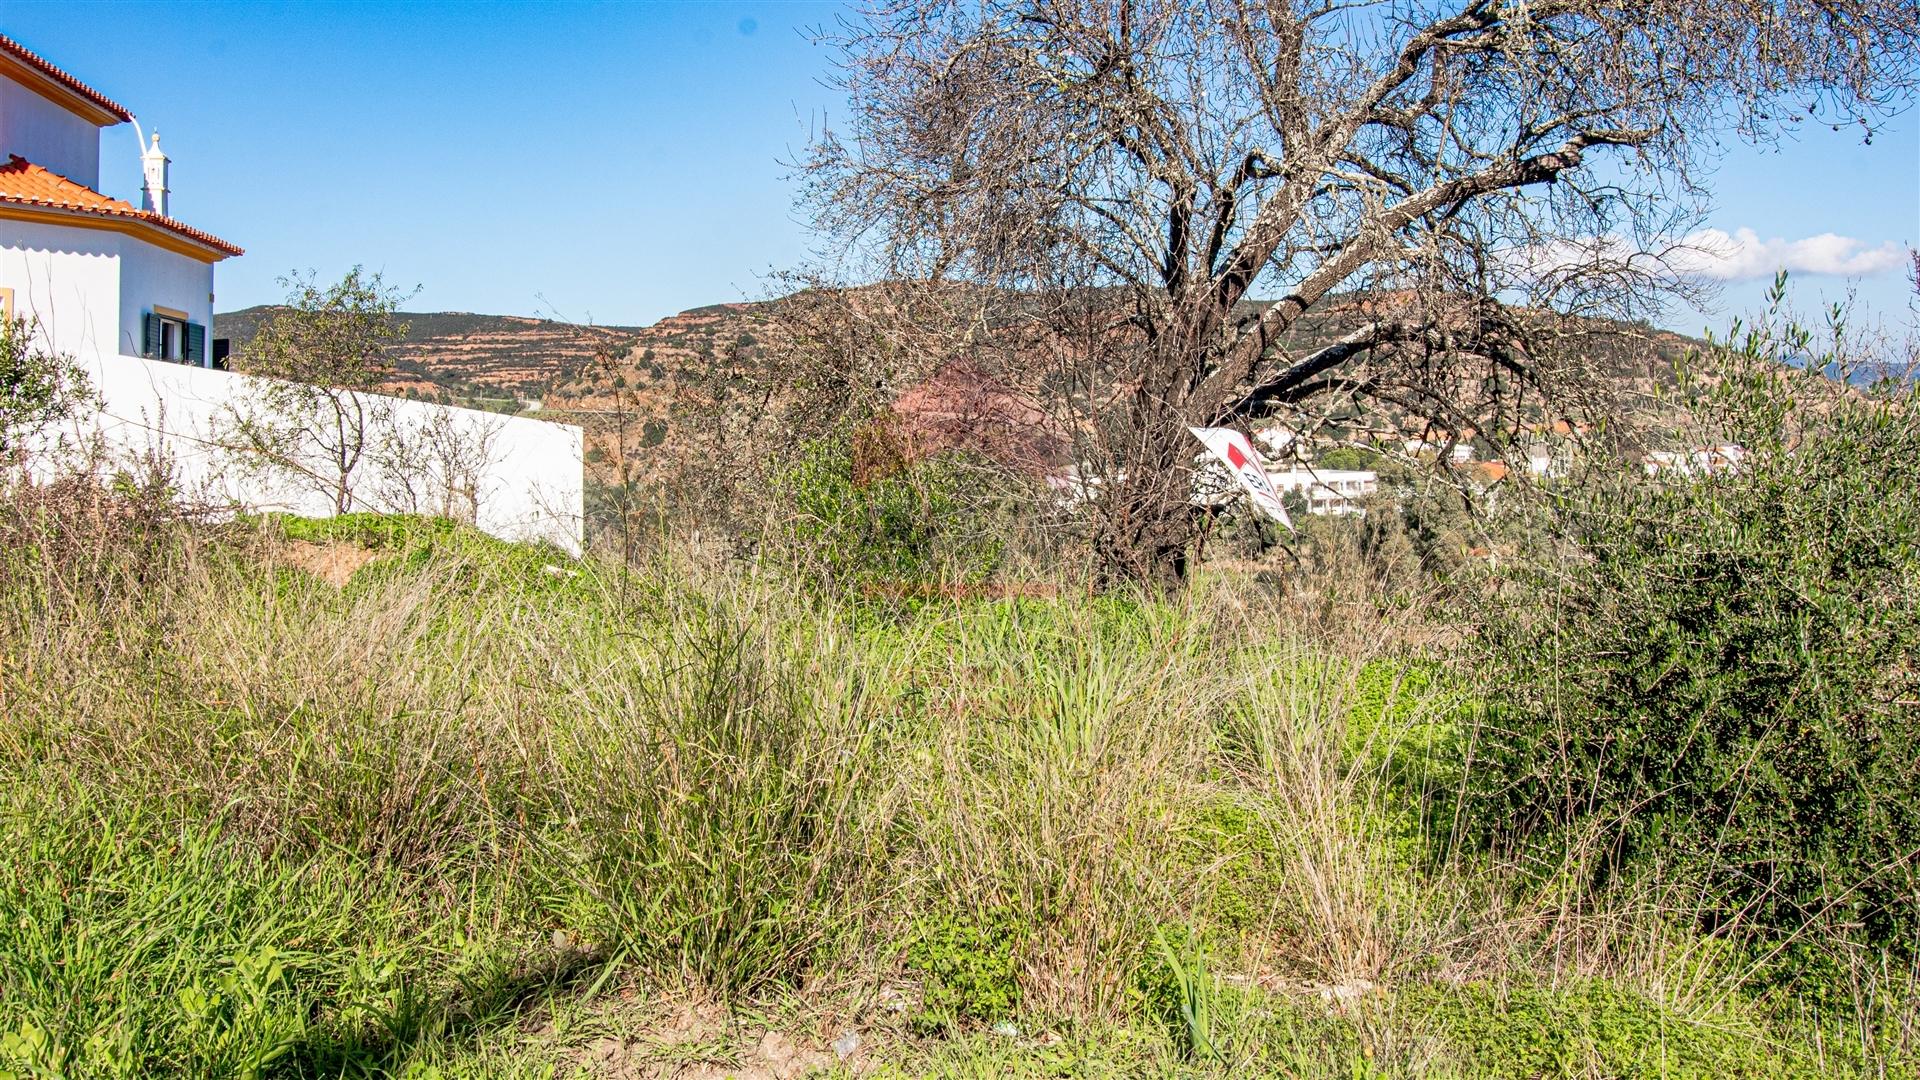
column 469, row 358
column 628, row 386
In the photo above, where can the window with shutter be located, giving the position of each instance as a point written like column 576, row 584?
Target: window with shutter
column 196, row 353
column 167, row 335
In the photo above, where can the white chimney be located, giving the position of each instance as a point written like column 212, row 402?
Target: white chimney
column 153, row 195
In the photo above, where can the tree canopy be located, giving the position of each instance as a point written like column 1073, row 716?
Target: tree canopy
column 1183, row 182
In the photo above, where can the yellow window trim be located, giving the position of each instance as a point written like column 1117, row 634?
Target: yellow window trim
column 171, row 313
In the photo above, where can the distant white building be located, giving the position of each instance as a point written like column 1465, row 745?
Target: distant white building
column 1433, row 442
column 1327, row 491
column 1275, row 440
column 1702, row 461
column 1461, row 453
column 127, row 293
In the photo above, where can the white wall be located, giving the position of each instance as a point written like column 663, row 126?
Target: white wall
column 530, row 484
column 69, row 279
column 88, row 289
column 151, row 276
column 48, row 135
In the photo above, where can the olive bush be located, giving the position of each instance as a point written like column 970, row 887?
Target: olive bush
column 1711, row 666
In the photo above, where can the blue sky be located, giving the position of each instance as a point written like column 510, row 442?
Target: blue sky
column 621, row 162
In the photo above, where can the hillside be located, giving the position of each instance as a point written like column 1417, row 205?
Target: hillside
column 637, row 382
column 496, row 361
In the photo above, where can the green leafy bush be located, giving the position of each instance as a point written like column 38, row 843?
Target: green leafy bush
column 1350, row 457
column 1716, row 671
column 969, row 966
column 915, row 521
column 37, row 387
column 1588, row 1029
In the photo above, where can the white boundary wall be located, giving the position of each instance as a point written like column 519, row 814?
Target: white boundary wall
column 523, row 479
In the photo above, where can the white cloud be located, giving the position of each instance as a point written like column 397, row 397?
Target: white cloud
column 1742, row 256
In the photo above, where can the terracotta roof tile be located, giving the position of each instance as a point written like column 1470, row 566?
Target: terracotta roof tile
column 1488, row 472
column 22, row 183
column 33, row 60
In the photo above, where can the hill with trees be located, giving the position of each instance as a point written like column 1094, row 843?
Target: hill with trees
column 643, row 387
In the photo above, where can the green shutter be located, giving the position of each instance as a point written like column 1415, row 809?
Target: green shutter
column 196, row 345
column 150, row 330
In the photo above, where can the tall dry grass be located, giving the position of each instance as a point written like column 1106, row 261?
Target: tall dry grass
column 705, row 778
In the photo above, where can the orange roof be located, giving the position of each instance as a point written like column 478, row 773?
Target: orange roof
column 74, row 87
column 22, row 183
column 1488, row 472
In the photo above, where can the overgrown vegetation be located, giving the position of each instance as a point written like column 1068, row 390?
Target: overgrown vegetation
column 1707, row 673
column 858, row 514
column 482, row 805
column 1611, row 775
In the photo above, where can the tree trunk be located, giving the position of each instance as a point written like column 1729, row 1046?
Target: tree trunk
column 1146, row 519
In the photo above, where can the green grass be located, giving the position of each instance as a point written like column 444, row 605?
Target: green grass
column 485, row 809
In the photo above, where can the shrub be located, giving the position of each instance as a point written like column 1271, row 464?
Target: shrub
column 1588, row 1029
column 37, row 387
column 858, row 522
column 1350, row 457
column 1717, row 671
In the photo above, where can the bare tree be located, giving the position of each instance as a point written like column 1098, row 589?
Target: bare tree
column 435, row 462
column 1172, row 186
column 316, row 418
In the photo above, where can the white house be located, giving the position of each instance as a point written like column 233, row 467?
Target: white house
column 127, row 293
column 1701, row 461
column 1425, row 448
column 1275, row 440
column 100, row 275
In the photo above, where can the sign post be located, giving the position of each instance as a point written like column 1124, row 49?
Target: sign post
column 1244, row 462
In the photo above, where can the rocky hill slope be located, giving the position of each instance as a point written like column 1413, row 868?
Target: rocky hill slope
column 630, row 386
column 489, row 361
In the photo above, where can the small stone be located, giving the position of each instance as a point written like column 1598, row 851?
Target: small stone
column 1007, row 1028
column 1346, row 991
column 847, row 1045
column 777, row 1049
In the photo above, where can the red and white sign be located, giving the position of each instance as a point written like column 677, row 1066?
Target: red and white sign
column 1244, row 462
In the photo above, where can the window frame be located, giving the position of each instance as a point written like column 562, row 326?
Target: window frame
column 171, row 319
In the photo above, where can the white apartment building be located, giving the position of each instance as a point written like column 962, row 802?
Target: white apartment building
column 1327, row 491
